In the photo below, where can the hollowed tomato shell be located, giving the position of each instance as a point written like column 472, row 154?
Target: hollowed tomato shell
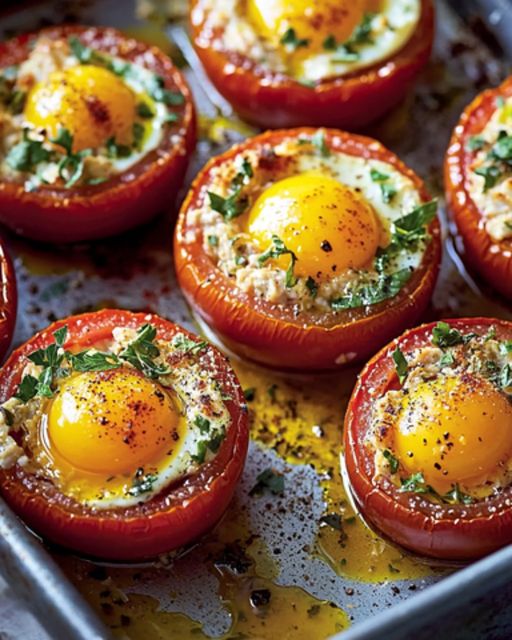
column 273, row 335
column 271, row 100
column 57, row 214
column 460, row 532
column 491, row 259
column 8, row 300
column 175, row 517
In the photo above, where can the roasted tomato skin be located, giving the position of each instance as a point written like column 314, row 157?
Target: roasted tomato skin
column 8, row 300
column 260, row 331
column 489, row 258
column 463, row 532
column 177, row 516
column 273, row 100
column 53, row 214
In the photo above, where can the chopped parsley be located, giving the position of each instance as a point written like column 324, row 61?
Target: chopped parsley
column 250, row 394
column 202, row 423
column 414, row 484
column 475, row 143
column 71, row 165
column 290, row 39
column 400, row 365
column 235, row 204
column 184, row 344
column 142, row 351
column 388, row 192
column 277, row 249
column 312, row 287
column 392, row 461
column 144, row 110
column 498, row 161
column 270, row 480
column 27, row 154
column 347, row 51
column 445, row 336
column 142, row 483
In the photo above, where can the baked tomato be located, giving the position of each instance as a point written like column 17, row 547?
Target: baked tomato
column 477, row 176
column 125, row 435
column 97, row 130
column 307, row 249
column 8, row 300
column 338, row 63
column 427, row 440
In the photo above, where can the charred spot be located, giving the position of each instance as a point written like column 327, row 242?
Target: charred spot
column 326, row 246
column 97, row 109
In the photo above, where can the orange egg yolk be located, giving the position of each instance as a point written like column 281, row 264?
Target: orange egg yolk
column 454, row 430
column 92, row 103
column 312, row 22
column 112, row 422
column 327, row 225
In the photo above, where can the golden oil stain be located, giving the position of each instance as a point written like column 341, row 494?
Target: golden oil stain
column 255, row 605
column 219, row 128
column 152, row 34
column 302, row 419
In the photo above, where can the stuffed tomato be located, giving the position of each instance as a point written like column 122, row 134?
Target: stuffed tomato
column 96, row 133
column 122, row 436
column 478, row 175
column 8, row 300
column 339, row 63
column 307, row 249
column 427, row 441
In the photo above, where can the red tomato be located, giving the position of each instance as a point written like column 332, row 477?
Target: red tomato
column 491, row 259
column 8, row 300
column 273, row 335
column 57, row 214
column 272, row 100
column 463, row 531
column 177, row 516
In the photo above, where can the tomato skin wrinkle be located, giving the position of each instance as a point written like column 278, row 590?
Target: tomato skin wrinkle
column 488, row 258
column 451, row 532
column 175, row 517
column 126, row 200
column 270, row 334
column 270, row 100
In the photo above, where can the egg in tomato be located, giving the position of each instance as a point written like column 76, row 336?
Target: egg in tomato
column 115, row 432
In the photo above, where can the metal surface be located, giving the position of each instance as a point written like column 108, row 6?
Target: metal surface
column 55, row 282
column 37, row 580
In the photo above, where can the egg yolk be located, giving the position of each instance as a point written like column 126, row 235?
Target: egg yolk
column 327, row 225
column 92, row 103
column 112, row 422
column 454, row 430
column 312, row 22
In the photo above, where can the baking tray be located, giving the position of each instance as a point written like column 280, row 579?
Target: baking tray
column 320, row 578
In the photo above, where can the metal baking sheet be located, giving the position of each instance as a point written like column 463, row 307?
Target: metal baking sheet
column 321, row 580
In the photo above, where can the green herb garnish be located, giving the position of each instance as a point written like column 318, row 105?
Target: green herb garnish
column 400, row 365
column 184, row 344
column 142, row 482
column 392, row 461
column 268, row 480
column 27, row 154
column 276, row 249
column 142, row 351
column 290, row 39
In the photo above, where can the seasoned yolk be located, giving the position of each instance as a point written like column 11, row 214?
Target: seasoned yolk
column 312, row 22
column 456, row 429
column 92, row 103
column 326, row 224
column 112, row 422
